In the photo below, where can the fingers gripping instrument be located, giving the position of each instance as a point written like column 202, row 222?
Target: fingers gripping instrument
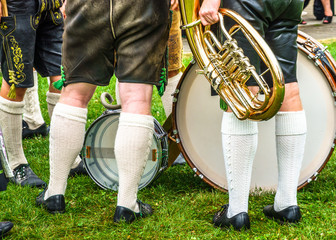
column 227, row 68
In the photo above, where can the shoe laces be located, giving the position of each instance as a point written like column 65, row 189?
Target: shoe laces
column 222, row 211
column 21, row 172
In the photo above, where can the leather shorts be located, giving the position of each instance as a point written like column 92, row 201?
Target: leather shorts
column 31, row 38
column 103, row 37
column 277, row 21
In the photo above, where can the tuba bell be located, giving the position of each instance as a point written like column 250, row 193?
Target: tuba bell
column 228, row 69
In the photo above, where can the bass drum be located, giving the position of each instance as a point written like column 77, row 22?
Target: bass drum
column 197, row 121
column 99, row 158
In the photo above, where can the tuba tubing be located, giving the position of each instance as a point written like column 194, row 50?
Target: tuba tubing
column 227, row 68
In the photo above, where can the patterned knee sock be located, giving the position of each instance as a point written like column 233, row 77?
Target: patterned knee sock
column 32, row 111
column 290, row 133
column 167, row 98
column 66, row 140
column 52, row 100
column 11, row 125
column 239, row 141
column 132, row 146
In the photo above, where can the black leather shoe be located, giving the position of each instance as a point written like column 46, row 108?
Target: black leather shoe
column 29, row 133
column 80, row 169
column 239, row 221
column 54, row 204
column 5, row 227
column 291, row 214
column 127, row 215
column 24, row 176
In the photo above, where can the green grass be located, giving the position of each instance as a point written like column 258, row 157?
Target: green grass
column 183, row 204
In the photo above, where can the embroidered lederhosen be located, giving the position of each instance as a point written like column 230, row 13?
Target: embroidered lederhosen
column 31, row 37
column 103, row 37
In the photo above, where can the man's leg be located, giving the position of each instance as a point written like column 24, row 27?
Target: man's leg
column 53, row 96
column 132, row 145
column 239, row 144
column 33, row 122
column 67, row 131
column 11, row 111
column 290, row 133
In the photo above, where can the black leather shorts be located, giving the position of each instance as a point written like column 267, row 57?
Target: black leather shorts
column 277, row 21
column 103, row 37
column 31, row 37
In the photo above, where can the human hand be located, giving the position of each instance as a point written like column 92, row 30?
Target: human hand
column 209, row 12
column 174, row 5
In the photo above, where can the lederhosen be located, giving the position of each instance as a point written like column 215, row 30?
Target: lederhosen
column 103, row 37
column 31, row 37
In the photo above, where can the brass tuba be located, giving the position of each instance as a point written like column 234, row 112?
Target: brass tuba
column 228, row 69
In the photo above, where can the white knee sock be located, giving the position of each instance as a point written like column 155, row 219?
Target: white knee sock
column 52, row 100
column 11, row 125
column 167, row 98
column 290, row 133
column 66, row 140
column 32, row 111
column 132, row 146
column 239, row 142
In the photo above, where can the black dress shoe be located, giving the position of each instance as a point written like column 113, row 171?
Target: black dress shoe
column 5, row 227
column 239, row 221
column 127, row 215
column 24, row 176
column 291, row 214
column 80, row 169
column 54, row 204
column 29, row 133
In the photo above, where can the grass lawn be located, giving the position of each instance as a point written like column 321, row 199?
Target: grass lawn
column 183, row 204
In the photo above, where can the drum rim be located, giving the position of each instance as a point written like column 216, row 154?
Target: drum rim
column 331, row 82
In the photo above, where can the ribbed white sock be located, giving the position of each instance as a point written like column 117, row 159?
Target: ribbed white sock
column 52, row 100
column 11, row 125
column 66, row 140
column 132, row 146
column 290, row 133
column 167, row 98
column 32, row 112
column 239, row 142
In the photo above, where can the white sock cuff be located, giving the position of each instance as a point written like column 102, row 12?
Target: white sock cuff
column 232, row 125
column 70, row 112
column 11, row 106
column 290, row 123
column 175, row 78
column 52, row 98
column 139, row 120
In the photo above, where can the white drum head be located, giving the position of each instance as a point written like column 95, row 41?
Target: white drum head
column 197, row 117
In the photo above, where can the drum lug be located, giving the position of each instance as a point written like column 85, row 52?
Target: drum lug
column 172, row 136
column 314, row 177
column 199, row 175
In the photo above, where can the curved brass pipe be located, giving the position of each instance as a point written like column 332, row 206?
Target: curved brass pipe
column 228, row 69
